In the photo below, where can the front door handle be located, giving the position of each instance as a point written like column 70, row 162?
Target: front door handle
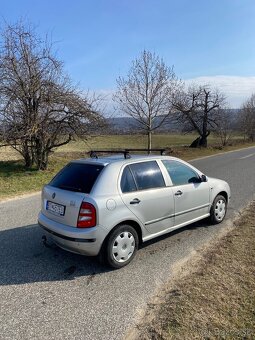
column 135, row 201
column 178, row 193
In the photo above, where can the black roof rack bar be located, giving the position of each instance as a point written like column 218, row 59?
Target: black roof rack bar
column 125, row 152
column 93, row 153
column 148, row 150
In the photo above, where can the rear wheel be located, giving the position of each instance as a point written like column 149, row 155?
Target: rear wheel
column 121, row 246
column 219, row 209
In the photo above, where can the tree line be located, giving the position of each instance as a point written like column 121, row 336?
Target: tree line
column 152, row 94
column 41, row 108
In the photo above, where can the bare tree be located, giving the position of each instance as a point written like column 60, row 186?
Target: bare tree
column 225, row 126
column 199, row 109
column 247, row 118
column 146, row 93
column 40, row 109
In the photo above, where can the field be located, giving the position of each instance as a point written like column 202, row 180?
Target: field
column 16, row 180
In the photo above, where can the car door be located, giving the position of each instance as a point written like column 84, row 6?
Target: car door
column 144, row 192
column 191, row 195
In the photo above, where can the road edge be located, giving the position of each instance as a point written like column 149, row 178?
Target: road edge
column 19, row 197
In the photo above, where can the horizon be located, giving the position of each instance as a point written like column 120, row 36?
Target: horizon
column 206, row 42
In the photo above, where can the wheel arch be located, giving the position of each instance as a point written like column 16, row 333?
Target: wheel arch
column 103, row 250
column 133, row 224
column 224, row 194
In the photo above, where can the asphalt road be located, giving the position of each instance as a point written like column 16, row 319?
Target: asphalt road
column 47, row 293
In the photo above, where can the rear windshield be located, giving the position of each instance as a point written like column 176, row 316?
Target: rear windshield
column 77, row 177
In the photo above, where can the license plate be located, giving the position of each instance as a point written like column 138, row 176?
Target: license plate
column 56, row 208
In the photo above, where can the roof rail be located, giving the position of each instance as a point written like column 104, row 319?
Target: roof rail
column 125, row 152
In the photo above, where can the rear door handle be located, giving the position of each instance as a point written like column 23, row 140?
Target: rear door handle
column 135, row 201
column 178, row 193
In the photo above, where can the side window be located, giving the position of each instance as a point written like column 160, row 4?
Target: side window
column 180, row 173
column 147, row 175
column 127, row 183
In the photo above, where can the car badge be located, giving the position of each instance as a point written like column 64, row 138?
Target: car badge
column 53, row 195
column 72, row 203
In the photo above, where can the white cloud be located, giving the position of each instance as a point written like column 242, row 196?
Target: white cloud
column 237, row 89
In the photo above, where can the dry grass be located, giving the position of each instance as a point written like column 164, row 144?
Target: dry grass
column 217, row 299
column 130, row 141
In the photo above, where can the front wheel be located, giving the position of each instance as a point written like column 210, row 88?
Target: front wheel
column 219, row 209
column 121, row 246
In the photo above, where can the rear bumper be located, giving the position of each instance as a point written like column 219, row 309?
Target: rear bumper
column 80, row 241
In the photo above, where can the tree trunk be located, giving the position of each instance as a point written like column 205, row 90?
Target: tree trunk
column 203, row 141
column 199, row 142
column 28, row 161
column 27, row 156
column 42, row 161
column 149, row 141
column 195, row 143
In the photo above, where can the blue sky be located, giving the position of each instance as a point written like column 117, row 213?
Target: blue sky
column 209, row 41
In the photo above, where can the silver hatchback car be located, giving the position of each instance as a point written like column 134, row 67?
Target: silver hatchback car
column 109, row 205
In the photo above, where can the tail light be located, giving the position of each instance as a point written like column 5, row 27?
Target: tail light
column 87, row 216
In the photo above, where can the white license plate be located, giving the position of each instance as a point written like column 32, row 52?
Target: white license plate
column 57, row 209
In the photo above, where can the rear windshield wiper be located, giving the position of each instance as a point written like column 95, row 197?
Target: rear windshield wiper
column 67, row 187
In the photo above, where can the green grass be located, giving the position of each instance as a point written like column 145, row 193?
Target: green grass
column 15, row 179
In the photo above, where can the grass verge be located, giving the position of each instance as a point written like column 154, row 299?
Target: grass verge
column 16, row 180
column 216, row 299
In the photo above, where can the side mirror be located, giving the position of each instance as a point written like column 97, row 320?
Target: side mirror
column 203, row 178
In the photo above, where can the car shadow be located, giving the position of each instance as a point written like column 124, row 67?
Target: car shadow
column 25, row 259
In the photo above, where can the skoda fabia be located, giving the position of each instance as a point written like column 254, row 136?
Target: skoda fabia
column 110, row 205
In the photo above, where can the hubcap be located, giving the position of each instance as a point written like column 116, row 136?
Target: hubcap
column 123, row 247
column 220, row 210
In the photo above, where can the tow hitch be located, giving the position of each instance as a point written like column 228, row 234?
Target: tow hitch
column 45, row 242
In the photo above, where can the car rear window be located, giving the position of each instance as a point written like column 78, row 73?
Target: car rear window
column 77, row 177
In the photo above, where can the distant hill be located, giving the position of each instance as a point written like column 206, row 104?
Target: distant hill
column 130, row 125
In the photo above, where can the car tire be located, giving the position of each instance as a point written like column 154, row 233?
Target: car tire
column 121, row 246
column 218, row 209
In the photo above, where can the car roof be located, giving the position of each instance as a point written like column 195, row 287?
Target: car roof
column 119, row 158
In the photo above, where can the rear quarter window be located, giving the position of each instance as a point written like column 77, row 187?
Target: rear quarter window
column 79, row 177
column 127, row 181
